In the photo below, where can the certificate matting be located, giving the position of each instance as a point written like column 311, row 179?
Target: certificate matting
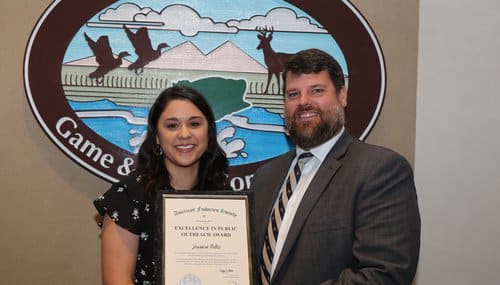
column 206, row 239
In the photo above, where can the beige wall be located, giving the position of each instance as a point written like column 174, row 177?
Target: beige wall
column 396, row 24
column 49, row 235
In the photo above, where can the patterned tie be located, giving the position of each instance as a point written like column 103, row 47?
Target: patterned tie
column 277, row 215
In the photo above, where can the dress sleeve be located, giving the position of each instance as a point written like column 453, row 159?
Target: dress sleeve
column 124, row 203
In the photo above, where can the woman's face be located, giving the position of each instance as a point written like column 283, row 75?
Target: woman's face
column 182, row 135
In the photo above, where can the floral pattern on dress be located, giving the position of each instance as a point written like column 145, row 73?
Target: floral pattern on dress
column 129, row 207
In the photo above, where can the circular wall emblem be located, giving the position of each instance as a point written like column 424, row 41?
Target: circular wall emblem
column 93, row 69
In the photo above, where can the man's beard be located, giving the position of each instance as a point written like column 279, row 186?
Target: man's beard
column 311, row 134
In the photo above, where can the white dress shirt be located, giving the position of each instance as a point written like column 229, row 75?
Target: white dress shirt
column 308, row 172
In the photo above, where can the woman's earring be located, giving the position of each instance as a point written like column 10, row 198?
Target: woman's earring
column 157, row 150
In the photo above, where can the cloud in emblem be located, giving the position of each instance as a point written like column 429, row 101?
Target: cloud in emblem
column 174, row 17
column 189, row 22
column 281, row 19
column 126, row 12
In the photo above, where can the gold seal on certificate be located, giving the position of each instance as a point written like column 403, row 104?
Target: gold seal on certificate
column 206, row 238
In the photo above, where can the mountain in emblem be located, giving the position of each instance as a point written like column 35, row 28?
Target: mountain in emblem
column 226, row 57
column 92, row 61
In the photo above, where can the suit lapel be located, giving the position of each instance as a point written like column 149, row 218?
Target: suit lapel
column 271, row 192
column 325, row 174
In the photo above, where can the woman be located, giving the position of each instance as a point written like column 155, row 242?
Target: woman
column 180, row 152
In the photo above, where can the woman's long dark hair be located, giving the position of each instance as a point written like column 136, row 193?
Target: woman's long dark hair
column 213, row 167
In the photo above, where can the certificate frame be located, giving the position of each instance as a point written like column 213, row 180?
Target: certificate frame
column 206, row 237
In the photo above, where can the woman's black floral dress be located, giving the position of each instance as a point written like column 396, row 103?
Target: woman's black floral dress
column 128, row 205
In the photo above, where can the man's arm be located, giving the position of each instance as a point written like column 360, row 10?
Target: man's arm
column 387, row 227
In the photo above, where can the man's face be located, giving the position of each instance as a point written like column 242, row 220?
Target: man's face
column 314, row 112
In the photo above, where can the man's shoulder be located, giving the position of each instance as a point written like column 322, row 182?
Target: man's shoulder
column 280, row 158
column 271, row 164
column 271, row 171
column 371, row 152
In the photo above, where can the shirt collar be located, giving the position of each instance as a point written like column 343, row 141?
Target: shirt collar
column 321, row 151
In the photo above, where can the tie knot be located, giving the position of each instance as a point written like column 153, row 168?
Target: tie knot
column 305, row 155
column 304, row 158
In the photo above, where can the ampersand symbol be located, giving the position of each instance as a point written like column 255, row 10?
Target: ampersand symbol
column 124, row 169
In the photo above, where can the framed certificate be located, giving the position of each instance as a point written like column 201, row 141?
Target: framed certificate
column 206, row 238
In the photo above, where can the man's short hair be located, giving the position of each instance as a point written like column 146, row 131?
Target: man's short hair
column 314, row 61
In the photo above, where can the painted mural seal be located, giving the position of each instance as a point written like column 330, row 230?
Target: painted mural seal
column 92, row 70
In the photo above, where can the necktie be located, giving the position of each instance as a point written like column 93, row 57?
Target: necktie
column 277, row 215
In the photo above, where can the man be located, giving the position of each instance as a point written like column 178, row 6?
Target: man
column 346, row 215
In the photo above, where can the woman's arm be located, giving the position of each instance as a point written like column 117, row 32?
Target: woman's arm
column 118, row 253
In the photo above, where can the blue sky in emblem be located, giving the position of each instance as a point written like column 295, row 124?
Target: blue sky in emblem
column 207, row 24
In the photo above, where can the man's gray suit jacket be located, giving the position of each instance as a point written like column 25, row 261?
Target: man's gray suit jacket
column 358, row 222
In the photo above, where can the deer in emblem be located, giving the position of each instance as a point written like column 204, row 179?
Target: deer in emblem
column 275, row 61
